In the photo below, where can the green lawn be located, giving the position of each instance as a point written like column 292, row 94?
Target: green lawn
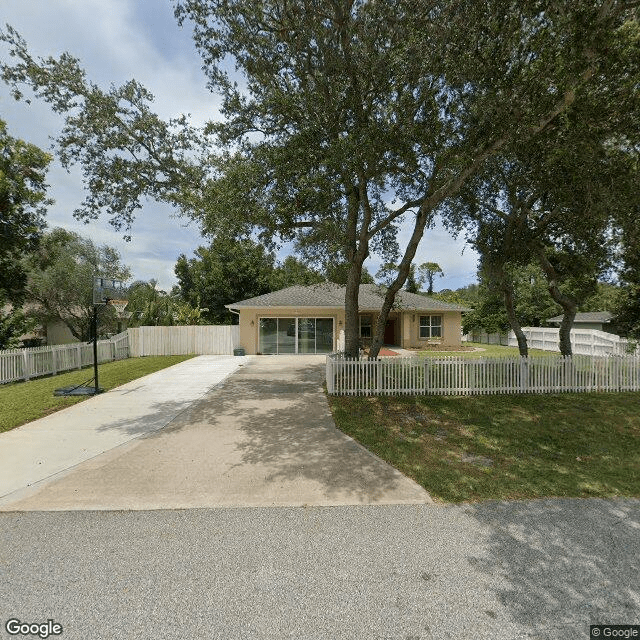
column 476, row 448
column 489, row 351
column 26, row 401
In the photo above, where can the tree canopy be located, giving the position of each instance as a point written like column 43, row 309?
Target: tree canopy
column 417, row 276
column 23, row 203
column 226, row 271
column 338, row 272
column 347, row 117
column 150, row 306
column 230, row 270
column 533, row 305
column 627, row 307
column 60, row 281
column 556, row 199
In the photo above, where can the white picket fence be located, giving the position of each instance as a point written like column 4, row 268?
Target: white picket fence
column 466, row 376
column 588, row 342
column 24, row 364
column 171, row 341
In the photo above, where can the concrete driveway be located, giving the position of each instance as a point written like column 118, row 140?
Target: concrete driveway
column 53, row 444
column 264, row 437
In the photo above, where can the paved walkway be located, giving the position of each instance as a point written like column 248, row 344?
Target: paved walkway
column 264, row 437
column 66, row 438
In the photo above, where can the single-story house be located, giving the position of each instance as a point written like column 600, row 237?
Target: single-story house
column 600, row 320
column 310, row 319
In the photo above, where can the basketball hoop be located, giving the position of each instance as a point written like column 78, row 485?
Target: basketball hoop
column 119, row 306
column 106, row 289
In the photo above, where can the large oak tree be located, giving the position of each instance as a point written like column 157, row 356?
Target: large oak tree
column 343, row 120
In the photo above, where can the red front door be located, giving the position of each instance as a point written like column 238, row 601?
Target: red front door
column 390, row 332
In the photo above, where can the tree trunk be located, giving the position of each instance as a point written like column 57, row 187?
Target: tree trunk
column 565, row 329
column 403, row 271
column 509, row 304
column 569, row 304
column 351, row 318
column 355, row 253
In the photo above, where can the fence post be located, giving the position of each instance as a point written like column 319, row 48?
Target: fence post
column 54, row 361
column 25, row 364
column 524, row 374
column 329, row 375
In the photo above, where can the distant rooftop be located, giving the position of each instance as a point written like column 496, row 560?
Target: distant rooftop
column 589, row 316
column 328, row 294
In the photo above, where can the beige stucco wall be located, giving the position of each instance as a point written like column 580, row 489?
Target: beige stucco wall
column 451, row 328
column 406, row 332
column 407, row 329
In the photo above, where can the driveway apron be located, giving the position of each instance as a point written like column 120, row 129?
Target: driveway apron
column 264, row 437
column 58, row 442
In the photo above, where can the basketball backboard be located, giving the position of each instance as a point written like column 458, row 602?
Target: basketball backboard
column 105, row 289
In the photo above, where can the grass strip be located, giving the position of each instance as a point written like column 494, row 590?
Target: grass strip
column 503, row 447
column 487, row 351
column 22, row 402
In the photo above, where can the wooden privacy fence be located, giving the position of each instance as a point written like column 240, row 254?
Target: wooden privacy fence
column 23, row 364
column 466, row 376
column 173, row 341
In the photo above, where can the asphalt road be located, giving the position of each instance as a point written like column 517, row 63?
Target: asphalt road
column 539, row 569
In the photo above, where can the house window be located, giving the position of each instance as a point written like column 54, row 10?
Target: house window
column 295, row 335
column 365, row 326
column 431, row 326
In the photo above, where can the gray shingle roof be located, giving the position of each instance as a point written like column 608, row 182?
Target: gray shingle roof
column 327, row 294
column 590, row 316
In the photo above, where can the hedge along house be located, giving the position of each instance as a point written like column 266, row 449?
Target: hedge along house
column 310, row 319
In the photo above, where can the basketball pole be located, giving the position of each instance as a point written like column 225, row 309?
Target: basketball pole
column 95, row 348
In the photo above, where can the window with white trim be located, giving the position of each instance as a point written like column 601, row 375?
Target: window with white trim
column 431, row 327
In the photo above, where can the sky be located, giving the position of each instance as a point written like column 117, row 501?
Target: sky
column 117, row 40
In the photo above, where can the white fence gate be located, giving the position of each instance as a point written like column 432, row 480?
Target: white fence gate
column 173, row 341
column 587, row 342
column 23, row 364
column 466, row 376
column 482, row 337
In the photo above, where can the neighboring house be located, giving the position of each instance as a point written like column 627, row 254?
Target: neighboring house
column 54, row 332
column 600, row 320
column 57, row 332
column 310, row 319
